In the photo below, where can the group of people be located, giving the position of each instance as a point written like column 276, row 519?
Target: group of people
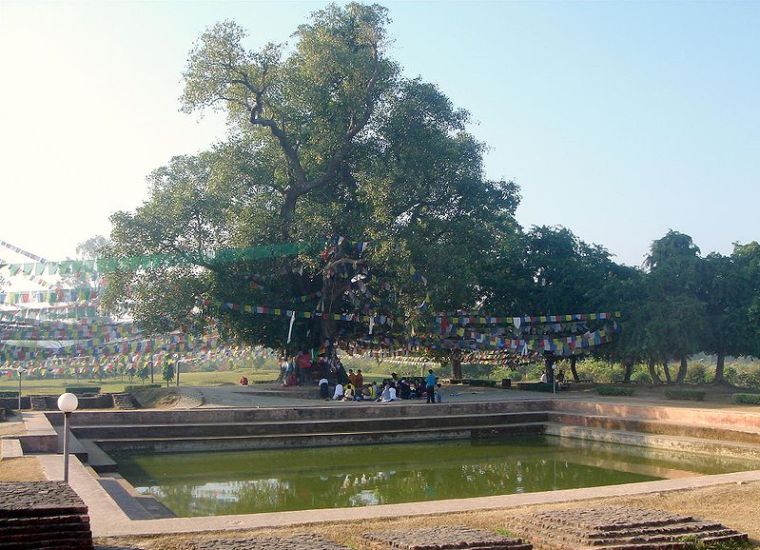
column 350, row 386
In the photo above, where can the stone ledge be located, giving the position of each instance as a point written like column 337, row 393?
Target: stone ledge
column 447, row 537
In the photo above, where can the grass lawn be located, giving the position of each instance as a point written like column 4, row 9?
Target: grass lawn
column 54, row 386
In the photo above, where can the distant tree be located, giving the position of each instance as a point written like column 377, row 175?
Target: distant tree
column 726, row 292
column 675, row 315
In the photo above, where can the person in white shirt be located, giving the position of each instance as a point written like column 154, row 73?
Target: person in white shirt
column 392, row 392
column 338, row 392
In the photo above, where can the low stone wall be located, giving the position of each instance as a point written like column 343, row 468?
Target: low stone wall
column 12, row 403
column 50, row 402
column 43, row 515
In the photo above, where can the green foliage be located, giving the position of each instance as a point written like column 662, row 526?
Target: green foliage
column 641, row 377
column 697, row 374
column 82, row 389
column 327, row 139
column 614, row 390
column 685, row 394
column 140, row 387
column 747, row 398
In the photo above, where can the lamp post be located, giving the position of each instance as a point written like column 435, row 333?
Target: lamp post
column 67, row 403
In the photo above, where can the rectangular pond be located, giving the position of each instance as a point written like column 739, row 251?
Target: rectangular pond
column 220, row 483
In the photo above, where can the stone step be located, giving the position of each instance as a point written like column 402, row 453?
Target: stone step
column 10, row 448
column 123, row 401
column 685, row 415
column 98, row 459
column 642, row 425
column 35, row 522
column 284, row 441
column 61, row 542
column 402, row 409
column 179, row 430
column 711, row 447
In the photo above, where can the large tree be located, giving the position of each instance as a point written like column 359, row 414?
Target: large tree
column 329, row 148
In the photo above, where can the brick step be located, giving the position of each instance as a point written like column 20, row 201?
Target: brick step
column 643, row 538
column 643, row 425
column 301, row 426
column 62, row 542
column 37, row 520
column 41, row 528
column 283, row 441
column 54, row 534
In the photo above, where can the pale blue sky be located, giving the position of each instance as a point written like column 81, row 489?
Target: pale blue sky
column 619, row 120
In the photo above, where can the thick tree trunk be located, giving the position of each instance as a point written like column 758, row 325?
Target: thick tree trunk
column 549, row 361
column 682, row 369
column 720, row 365
column 653, row 372
column 456, row 365
column 666, row 368
column 628, row 364
column 573, row 360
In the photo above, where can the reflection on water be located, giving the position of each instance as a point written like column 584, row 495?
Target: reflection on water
column 203, row 484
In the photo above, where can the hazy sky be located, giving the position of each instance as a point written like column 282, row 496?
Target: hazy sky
column 619, row 120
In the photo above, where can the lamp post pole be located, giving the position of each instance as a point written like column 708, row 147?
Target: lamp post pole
column 67, row 403
column 66, row 446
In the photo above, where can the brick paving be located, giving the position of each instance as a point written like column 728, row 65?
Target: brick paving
column 297, row 542
column 439, row 538
column 620, row 529
column 43, row 515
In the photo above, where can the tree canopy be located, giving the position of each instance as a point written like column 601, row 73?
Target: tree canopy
column 357, row 198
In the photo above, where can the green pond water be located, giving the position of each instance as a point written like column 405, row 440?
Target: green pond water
column 217, row 483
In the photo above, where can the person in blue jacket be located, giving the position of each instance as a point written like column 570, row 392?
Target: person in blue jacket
column 430, row 381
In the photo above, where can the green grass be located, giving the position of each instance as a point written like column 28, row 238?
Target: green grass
column 117, row 384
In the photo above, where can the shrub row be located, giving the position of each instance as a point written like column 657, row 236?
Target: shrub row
column 82, row 389
column 747, row 398
column 686, row 395
column 140, row 387
column 614, row 390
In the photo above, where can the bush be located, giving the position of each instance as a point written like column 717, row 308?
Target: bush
column 641, row 378
column 697, row 374
column 686, row 395
column 140, row 387
column 614, row 390
column 82, row 389
column 747, row 398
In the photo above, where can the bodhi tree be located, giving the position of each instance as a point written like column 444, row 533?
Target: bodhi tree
column 371, row 178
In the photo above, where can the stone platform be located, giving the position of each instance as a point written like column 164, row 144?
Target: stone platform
column 298, row 542
column 43, row 515
column 440, row 538
column 621, row 529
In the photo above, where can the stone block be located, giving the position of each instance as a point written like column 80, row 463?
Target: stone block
column 444, row 537
column 620, row 528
